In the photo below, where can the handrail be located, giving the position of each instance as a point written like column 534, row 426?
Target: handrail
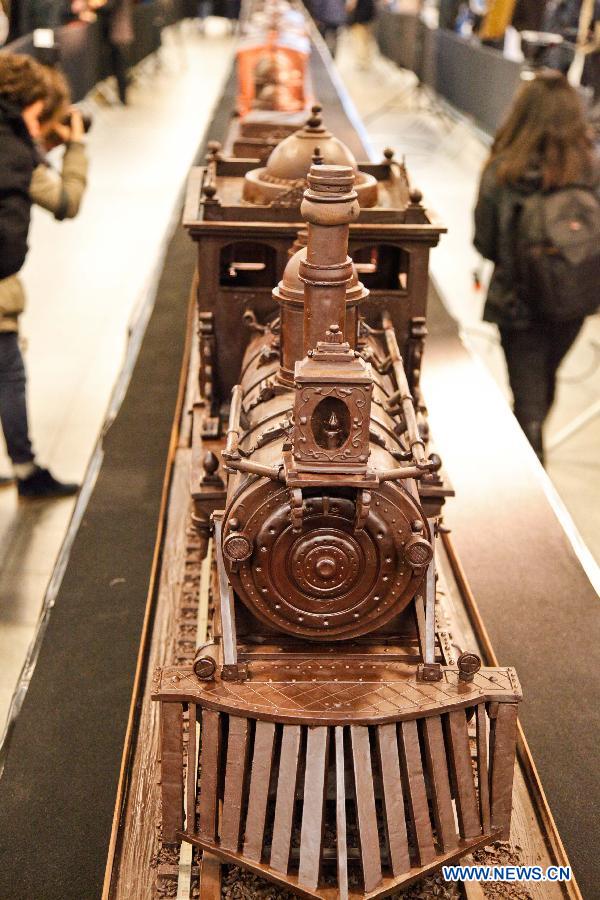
column 403, row 394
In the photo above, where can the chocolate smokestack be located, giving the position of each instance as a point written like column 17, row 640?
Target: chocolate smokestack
column 329, row 206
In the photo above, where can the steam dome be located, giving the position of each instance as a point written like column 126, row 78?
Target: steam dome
column 288, row 164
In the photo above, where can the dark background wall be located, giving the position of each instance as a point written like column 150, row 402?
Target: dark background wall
column 479, row 81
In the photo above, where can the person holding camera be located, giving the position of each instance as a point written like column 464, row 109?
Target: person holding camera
column 34, row 114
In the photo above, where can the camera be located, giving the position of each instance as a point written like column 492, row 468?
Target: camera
column 53, row 139
column 85, row 117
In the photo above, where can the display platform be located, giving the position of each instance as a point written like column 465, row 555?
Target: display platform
column 62, row 775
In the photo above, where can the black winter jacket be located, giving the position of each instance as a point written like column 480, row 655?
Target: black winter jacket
column 364, row 12
column 328, row 12
column 496, row 215
column 18, row 158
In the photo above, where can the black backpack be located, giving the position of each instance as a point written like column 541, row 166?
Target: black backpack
column 557, row 252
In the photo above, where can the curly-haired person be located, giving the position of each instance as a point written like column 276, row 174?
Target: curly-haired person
column 34, row 101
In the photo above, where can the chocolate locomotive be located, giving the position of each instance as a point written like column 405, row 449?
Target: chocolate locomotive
column 341, row 755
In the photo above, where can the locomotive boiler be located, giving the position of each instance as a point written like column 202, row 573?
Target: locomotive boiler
column 341, row 753
column 342, row 540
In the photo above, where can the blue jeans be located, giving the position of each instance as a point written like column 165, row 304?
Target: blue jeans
column 13, row 403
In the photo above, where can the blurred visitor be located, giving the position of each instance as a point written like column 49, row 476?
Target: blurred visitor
column 494, row 18
column 34, row 113
column 233, row 12
column 361, row 15
column 115, row 19
column 538, row 219
column 473, row 16
column 529, row 15
column 204, row 11
column 448, row 13
column 577, row 23
column 329, row 16
column 226, row 9
column 561, row 17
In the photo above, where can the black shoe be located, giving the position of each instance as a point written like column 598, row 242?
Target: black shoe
column 7, row 481
column 42, row 485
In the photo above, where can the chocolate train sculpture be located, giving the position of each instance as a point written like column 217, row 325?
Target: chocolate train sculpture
column 272, row 61
column 340, row 752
